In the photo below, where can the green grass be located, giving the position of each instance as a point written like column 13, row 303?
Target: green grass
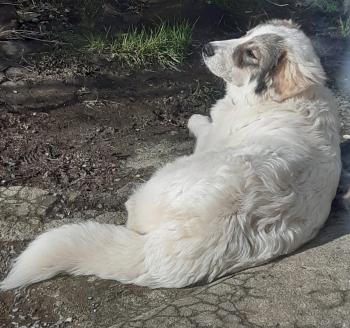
column 165, row 45
column 96, row 44
column 329, row 6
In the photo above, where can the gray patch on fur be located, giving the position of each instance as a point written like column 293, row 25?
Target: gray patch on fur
column 271, row 48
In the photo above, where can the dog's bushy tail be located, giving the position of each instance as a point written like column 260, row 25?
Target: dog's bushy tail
column 169, row 256
column 108, row 251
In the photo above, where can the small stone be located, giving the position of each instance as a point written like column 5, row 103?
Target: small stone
column 11, row 191
column 90, row 298
column 2, row 77
column 346, row 136
column 70, row 319
column 23, row 209
column 72, row 196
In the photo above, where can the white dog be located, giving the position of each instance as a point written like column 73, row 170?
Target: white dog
column 259, row 185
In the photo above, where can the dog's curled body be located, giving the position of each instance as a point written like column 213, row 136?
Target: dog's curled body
column 259, row 184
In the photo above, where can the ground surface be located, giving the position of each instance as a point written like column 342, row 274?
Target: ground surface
column 74, row 146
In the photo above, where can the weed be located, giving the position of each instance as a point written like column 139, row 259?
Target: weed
column 329, row 6
column 344, row 26
column 96, row 43
column 165, row 45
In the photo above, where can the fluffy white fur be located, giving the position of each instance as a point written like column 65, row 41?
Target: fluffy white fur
column 259, row 185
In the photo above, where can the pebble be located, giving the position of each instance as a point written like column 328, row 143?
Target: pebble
column 2, row 77
column 70, row 319
column 346, row 136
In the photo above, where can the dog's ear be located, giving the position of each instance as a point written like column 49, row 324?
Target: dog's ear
column 288, row 80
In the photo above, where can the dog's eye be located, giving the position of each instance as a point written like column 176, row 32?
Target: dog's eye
column 250, row 53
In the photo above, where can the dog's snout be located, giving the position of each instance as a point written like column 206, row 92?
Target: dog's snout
column 208, row 50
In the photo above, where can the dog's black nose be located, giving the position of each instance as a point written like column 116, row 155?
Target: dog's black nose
column 208, row 50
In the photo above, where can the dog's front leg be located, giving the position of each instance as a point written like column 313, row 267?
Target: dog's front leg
column 198, row 125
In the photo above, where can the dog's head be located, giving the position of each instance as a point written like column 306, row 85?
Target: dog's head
column 274, row 59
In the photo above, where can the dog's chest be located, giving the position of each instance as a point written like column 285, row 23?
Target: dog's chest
column 236, row 126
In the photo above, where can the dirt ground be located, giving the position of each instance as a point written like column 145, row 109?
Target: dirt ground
column 84, row 142
column 82, row 133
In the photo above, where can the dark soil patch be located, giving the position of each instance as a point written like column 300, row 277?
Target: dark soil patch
column 84, row 145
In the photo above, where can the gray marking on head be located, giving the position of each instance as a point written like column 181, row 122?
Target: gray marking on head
column 269, row 49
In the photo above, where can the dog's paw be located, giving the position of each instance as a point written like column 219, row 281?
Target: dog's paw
column 197, row 122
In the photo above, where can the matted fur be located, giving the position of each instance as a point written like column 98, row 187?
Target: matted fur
column 259, row 184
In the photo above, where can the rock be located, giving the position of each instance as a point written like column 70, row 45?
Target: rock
column 2, row 77
column 46, row 94
column 13, row 84
column 10, row 191
column 28, row 16
column 23, row 210
column 13, row 48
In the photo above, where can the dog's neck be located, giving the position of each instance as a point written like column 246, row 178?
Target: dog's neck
column 243, row 95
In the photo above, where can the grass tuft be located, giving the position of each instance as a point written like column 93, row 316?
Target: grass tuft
column 96, row 43
column 344, row 26
column 328, row 6
column 165, row 45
